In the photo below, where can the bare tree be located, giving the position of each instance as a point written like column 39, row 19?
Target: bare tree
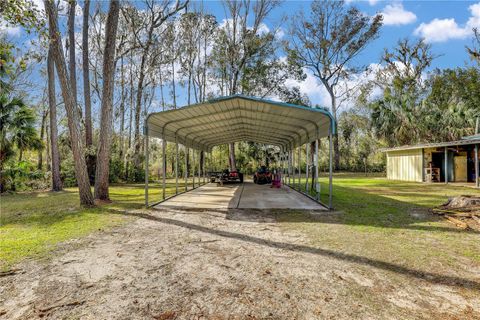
column 78, row 148
column 42, row 134
column 327, row 42
column 55, row 167
column 71, row 48
column 105, row 139
column 189, row 34
column 474, row 51
column 86, row 83
column 123, row 97
column 237, row 46
column 143, row 28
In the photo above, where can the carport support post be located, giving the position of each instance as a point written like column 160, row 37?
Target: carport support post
column 446, row 164
column 186, row 169
column 293, row 168
column 199, row 168
column 477, row 168
column 193, row 168
column 146, row 166
column 306, row 168
column 330, row 173
column 288, row 166
column 299, row 168
column 176, row 166
column 203, row 165
column 315, row 160
column 164, row 166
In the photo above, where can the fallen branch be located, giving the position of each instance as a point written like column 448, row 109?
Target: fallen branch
column 69, row 304
column 457, row 213
column 10, row 272
column 477, row 219
column 457, row 222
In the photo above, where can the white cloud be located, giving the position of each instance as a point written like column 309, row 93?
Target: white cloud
column 227, row 24
column 317, row 93
column 474, row 20
column 8, row 30
column 280, row 33
column 263, row 29
column 395, row 15
column 39, row 4
column 441, row 30
column 310, row 86
column 370, row 2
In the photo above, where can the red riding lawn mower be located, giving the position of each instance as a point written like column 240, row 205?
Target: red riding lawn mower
column 262, row 176
column 226, row 176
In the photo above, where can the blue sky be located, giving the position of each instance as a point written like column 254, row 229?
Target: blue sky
column 404, row 18
column 446, row 25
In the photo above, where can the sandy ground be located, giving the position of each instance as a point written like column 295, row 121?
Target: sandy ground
column 218, row 265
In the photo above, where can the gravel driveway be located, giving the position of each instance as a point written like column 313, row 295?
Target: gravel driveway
column 214, row 264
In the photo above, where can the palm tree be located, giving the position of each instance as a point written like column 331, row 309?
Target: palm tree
column 17, row 131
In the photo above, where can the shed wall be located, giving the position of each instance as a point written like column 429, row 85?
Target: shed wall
column 405, row 165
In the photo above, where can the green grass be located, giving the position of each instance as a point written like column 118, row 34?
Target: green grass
column 390, row 221
column 375, row 218
column 33, row 223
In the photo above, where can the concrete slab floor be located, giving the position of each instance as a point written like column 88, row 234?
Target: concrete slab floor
column 242, row 196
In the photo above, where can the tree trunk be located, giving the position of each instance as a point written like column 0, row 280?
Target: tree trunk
column 162, row 97
column 174, row 92
column 56, row 181
column 71, row 54
column 78, row 149
column 231, row 157
column 42, row 136
column 105, row 139
column 336, row 152
column 130, row 120
column 138, row 110
column 122, row 111
column 204, row 90
column 336, row 149
column 189, row 87
column 47, row 148
column 86, row 87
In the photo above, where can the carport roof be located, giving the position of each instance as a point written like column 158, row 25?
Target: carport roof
column 240, row 118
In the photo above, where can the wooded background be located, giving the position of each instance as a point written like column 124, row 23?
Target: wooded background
column 138, row 57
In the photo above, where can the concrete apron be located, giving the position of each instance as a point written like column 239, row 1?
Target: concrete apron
column 242, row 196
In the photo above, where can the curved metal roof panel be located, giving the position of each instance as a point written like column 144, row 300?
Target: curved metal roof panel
column 240, row 118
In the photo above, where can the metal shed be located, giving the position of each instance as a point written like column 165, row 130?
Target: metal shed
column 453, row 161
column 241, row 118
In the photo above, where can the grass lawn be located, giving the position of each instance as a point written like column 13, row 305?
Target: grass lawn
column 389, row 221
column 374, row 218
column 32, row 223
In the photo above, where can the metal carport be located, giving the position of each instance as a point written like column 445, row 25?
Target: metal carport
column 242, row 118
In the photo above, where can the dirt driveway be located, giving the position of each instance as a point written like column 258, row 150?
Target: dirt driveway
column 218, row 265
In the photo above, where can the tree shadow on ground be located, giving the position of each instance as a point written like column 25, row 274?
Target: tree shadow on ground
column 359, row 207
column 430, row 277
